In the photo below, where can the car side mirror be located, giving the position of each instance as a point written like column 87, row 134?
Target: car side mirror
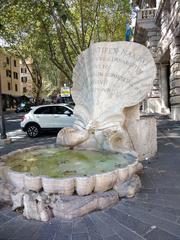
column 67, row 113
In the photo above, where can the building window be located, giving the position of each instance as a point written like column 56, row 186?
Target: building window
column 7, row 60
column 9, row 86
column 24, row 79
column 15, row 75
column 8, row 73
column 16, row 87
column 23, row 70
column 24, row 90
column 14, row 63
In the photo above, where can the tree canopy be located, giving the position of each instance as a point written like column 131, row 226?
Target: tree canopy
column 58, row 30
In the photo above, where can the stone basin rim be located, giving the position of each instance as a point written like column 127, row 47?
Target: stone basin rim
column 4, row 157
column 82, row 185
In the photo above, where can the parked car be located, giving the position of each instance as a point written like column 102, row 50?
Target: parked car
column 47, row 117
column 23, row 107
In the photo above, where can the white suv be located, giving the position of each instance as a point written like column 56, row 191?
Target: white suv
column 47, row 117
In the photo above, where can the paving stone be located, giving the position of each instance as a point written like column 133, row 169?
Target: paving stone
column 173, row 210
column 121, row 230
column 4, row 219
column 92, row 229
column 62, row 229
column 148, row 190
column 55, row 222
column 95, row 236
column 165, row 196
column 62, row 236
column 147, row 181
column 46, row 232
column 28, row 230
column 66, row 227
column 158, row 234
column 5, row 211
column 80, row 236
column 9, row 229
column 79, row 226
column 163, row 224
column 169, row 190
column 104, row 229
column 173, row 203
column 132, row 223
column 12, row 214
column 155, row 210
column 113, row 237
column 163, row 181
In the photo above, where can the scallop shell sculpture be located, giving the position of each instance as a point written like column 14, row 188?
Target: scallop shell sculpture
column 108, row 77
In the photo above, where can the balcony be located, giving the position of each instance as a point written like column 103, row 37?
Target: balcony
column 145, row 21
column 148, row 13
column 146, row 18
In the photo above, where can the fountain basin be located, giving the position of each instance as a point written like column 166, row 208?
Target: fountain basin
column 65, row 172
column 47, row 181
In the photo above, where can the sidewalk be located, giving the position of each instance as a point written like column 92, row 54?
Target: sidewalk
column 154, row 214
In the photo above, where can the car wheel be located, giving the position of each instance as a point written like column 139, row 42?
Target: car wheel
column 33, row 130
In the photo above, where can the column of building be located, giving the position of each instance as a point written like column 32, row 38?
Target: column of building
column 154, row 36
column 154, row 102
column 164, row 64
column 164, row 88
column 175, row 78
column 175, row 60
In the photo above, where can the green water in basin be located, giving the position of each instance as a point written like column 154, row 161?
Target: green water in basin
column 57, row 163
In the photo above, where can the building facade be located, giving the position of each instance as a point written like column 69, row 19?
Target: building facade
column 26, row 83
column 158, row 28
column 15, row 80
column 10, row 78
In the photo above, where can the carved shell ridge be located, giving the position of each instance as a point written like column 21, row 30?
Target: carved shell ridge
column 110, row 76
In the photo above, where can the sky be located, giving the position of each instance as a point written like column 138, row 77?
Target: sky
column 3, row 43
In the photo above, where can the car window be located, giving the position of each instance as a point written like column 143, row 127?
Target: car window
column 43, row 110
column 62, row 110
column 71, row 105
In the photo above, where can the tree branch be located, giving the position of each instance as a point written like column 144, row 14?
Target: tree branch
column 82, row 25
column 52, row 53
column 94, row 22
column 70, row 18
column 62, row 44
column 71, row 40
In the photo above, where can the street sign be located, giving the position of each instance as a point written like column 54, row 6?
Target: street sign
column 65, row 91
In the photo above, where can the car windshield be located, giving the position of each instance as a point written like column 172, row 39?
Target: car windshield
column 71, row 105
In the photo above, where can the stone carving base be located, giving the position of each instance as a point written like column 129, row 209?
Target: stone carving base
column 43, row 206
column 143, row 133
column 129, row 188
column 75, row 206
column 5, row 191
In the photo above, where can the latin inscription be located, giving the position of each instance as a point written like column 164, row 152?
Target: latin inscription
column 112, row 72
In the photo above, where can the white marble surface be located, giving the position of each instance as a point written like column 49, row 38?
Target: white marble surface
column 109, row 80
column 108, row 77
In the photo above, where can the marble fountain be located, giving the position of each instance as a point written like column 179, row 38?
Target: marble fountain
column 95, row 162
